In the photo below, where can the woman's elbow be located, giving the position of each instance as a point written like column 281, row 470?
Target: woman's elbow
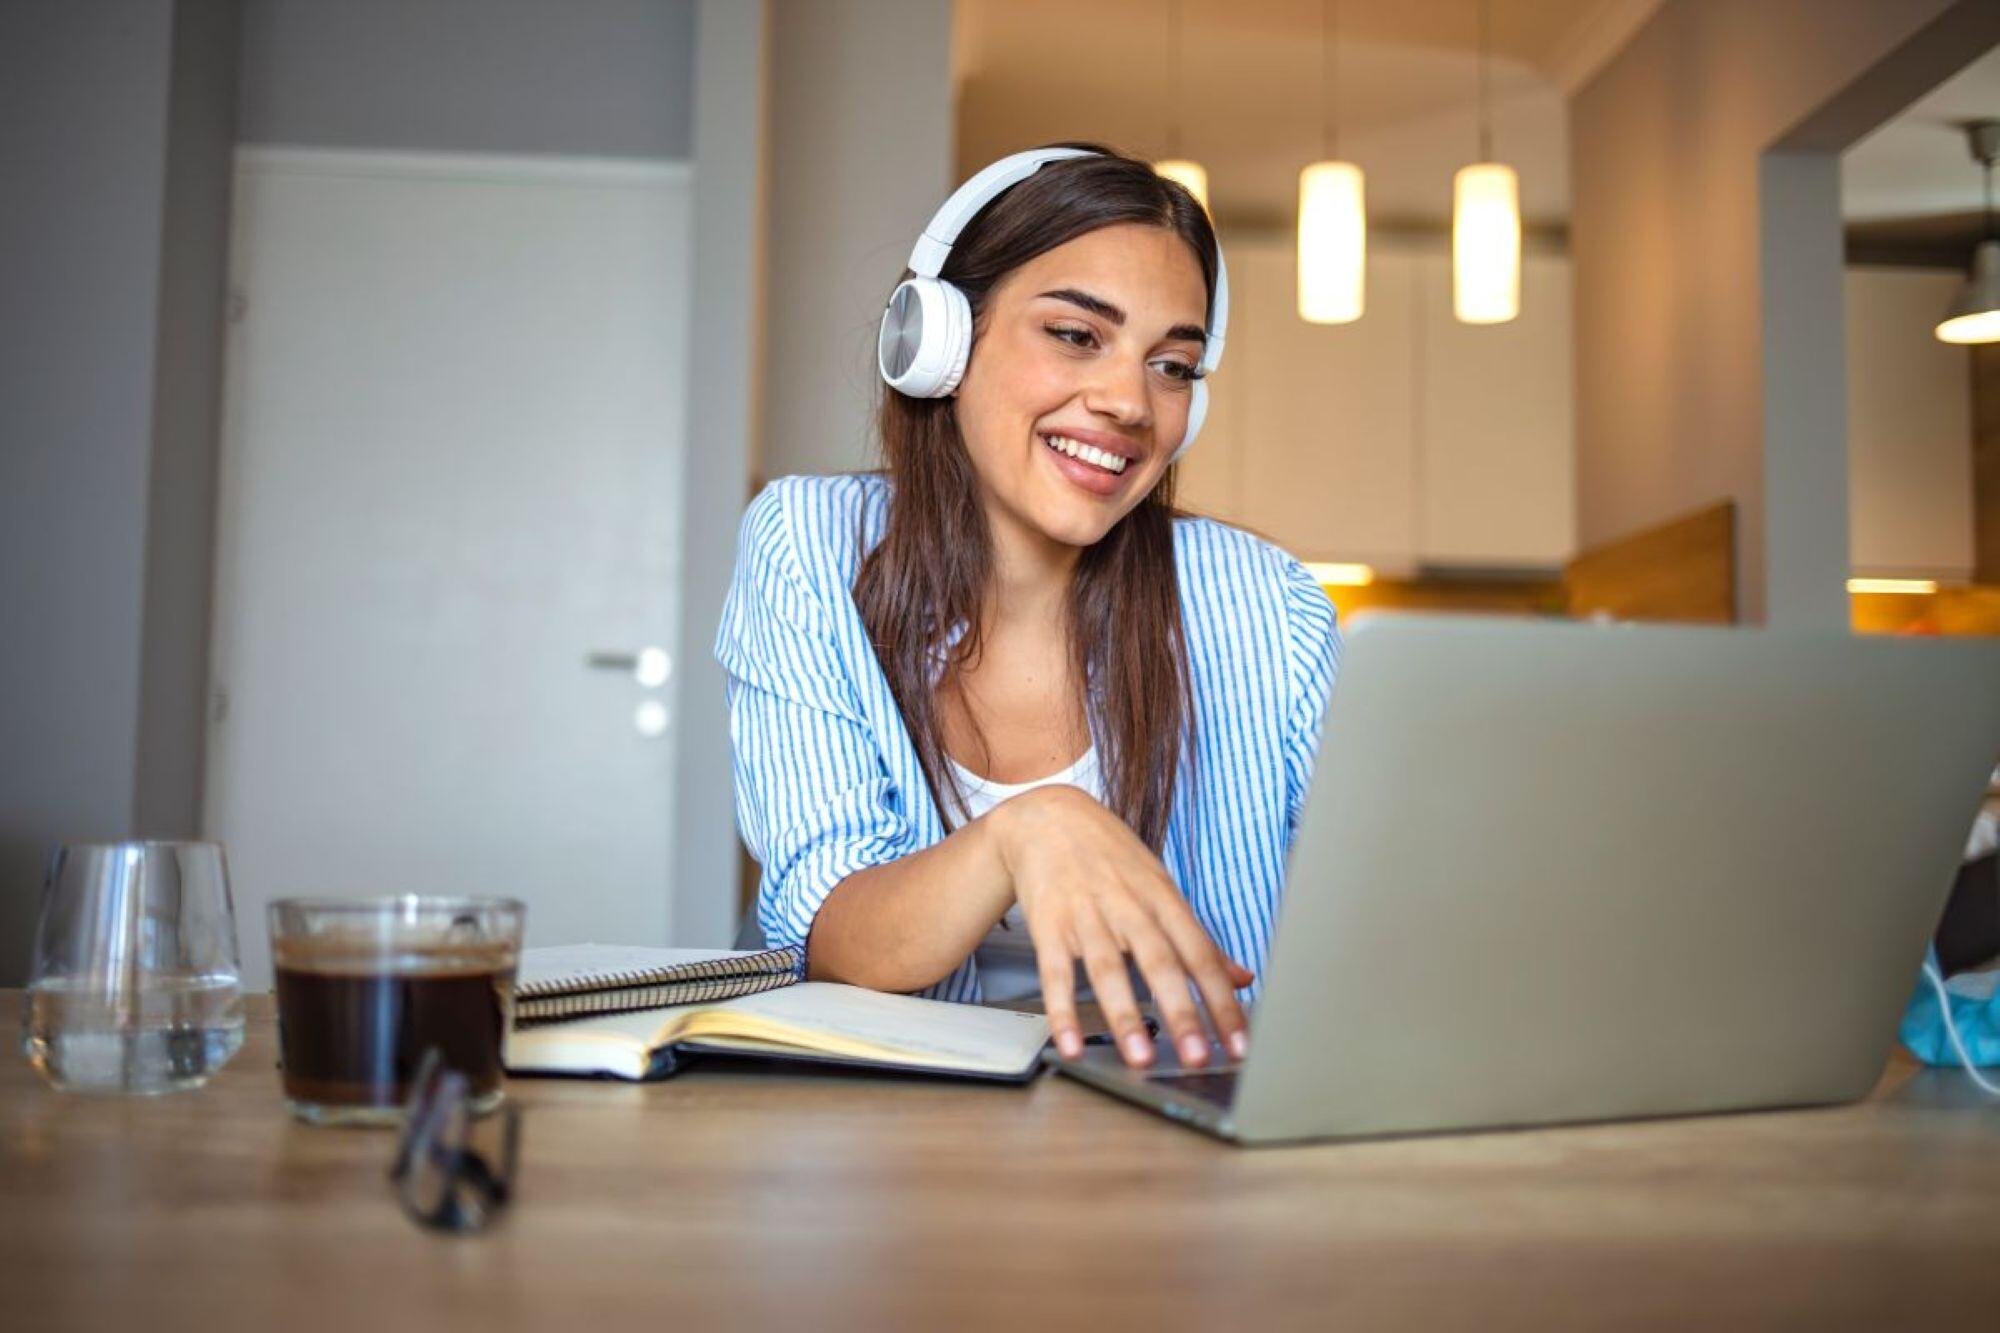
column 838, row 949
column 874, row 969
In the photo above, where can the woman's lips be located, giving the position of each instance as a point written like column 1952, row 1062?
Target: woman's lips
column 1087, row 476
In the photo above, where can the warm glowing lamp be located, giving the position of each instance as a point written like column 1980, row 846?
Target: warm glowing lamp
column 1486, row 217
column 1974, row 313
column 1974, row 316
column 1184, row 172
column 1333, row 216
column 1333, row 243
column 1486, row 244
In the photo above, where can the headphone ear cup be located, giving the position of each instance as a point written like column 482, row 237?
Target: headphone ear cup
column 925, row 339
column 1197, row 413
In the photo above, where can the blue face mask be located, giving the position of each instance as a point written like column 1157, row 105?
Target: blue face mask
column 1955, row 1022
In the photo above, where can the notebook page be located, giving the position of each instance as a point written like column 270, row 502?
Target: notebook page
column 935, row 1031
column 580, row 962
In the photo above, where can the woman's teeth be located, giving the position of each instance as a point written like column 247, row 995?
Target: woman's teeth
column 1089, row 453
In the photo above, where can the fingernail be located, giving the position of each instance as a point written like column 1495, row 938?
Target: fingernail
column 1194, row 1050
column 1069, row 1044
column 1239, row 1044
column 1137, row 1049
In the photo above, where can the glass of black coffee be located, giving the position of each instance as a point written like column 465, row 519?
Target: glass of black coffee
column 367, row 985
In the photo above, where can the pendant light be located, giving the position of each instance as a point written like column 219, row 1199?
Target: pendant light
column 1486, row 218
column 1174, row 167
column 1333, row 220
column 1974, row 313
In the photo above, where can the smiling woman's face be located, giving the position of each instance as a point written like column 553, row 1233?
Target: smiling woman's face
column 1077, row 389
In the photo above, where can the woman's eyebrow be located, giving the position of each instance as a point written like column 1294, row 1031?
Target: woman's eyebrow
column 1103, row 309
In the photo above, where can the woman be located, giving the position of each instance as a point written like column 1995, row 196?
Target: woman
column 1000, row 708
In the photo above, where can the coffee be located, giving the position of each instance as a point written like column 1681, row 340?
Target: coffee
column 353, row 1027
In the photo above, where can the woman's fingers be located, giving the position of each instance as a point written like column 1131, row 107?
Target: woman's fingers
column 1105, row 964
column 1058, row 973
column 1165, row 977
column 1215, row 974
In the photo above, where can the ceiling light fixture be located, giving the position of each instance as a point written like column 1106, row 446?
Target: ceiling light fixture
column 1341, row 574
column 1486, row 217
column 1333, row 219
column 1974, row 313
column 1174, row 167
column 1908, row 587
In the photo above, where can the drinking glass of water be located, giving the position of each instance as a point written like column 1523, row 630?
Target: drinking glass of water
column 135, row 986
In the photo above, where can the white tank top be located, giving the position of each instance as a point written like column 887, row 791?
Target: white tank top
column 1006, row 956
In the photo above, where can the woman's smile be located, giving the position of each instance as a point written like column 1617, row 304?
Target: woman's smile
column 1091, row 467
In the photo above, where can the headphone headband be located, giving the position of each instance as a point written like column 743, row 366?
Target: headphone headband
column 927, row 259
column 934, row 245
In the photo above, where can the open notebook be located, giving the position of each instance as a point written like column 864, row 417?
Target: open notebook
column 571, row 980
column 816, row 1021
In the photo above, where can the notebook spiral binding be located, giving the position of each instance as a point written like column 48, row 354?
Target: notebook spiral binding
column 655, row 988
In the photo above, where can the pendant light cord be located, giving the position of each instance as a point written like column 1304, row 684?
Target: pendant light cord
column 1986, row 169
column 1174, row 77
column 1485, row 91
column 1329, row 80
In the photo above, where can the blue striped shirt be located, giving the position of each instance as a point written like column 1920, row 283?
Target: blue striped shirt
column 828, row 781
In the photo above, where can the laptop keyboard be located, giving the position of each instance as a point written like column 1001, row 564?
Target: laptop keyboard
column 1215, row 1087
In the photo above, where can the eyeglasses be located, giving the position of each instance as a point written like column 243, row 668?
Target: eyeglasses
column 442, row 1181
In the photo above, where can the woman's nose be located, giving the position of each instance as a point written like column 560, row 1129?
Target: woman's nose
column 1118, row 391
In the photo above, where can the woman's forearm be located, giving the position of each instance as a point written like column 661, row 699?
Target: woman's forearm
column 910, row 923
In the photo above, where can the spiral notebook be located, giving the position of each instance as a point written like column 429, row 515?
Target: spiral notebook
column 577, row 980
column 814, row 1022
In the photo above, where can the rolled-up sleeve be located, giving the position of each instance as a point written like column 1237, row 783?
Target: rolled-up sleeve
column 813, row 799
column 1312, row 659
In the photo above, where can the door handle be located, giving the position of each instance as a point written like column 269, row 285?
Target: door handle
column 650, row 666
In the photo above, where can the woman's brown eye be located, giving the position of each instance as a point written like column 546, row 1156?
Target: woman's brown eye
column 1074, row 337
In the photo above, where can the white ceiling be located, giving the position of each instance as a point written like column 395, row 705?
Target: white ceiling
column 1918, row 164
column 1249, row 100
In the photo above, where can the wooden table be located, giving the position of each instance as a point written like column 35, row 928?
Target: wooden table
column 737, row 1199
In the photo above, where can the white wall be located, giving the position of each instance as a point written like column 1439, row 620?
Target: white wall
column 1909, row 427
column 861, row 156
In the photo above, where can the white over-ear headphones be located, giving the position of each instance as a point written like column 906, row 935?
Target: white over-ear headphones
column 927, row 327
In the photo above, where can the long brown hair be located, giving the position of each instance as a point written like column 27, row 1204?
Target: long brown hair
column 928, row 575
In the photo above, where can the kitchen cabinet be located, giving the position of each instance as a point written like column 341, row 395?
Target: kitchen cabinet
column 1495, row 425
column 1404, row 439
column 1409, row 441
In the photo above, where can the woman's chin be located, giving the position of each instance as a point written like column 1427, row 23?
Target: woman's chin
column 1077, row 529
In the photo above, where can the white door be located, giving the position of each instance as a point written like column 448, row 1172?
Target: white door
column 451, row 461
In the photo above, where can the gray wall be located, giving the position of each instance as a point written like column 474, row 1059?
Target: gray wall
column 608, row 78
column 112, row 118
column 187, row 360
column 726, row 289
column 1670, row 279
column 861, row 156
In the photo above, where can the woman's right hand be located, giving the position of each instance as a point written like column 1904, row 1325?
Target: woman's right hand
column 1091, row 891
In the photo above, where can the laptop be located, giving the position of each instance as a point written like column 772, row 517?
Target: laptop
column 1556, row 872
